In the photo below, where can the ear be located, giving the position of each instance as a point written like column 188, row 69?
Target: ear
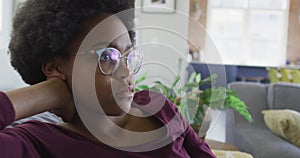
column 53, row 69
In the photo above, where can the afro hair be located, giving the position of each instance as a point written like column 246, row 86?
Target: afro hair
column 43, row 28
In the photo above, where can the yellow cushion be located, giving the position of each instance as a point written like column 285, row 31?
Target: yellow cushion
column 231, row 154
column 285, row 123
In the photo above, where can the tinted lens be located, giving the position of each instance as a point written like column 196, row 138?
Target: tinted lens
column 110, row 55
column 134, row 61
column 108, row 59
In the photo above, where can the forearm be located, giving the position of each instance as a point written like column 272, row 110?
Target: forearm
column 34, row 99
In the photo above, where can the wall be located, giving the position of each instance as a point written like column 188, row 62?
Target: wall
column 196, row 32
column 9, row 78
column 163, row 39
column 293, row 47
column 197, row 36
column 6, row 23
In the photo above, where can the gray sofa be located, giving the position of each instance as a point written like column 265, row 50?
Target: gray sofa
column 256, row 138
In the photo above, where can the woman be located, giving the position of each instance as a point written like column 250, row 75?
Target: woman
column 78, row 54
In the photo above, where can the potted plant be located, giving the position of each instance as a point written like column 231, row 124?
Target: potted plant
column 192, row 102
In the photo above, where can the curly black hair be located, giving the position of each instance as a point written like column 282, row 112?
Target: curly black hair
column 43, row 28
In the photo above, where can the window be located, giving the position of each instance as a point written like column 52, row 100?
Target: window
column 249, row 32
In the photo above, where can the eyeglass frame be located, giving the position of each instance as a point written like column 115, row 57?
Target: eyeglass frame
column 99, row 52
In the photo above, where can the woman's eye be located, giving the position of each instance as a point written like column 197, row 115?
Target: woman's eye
column 110, row 55
column 105, row 57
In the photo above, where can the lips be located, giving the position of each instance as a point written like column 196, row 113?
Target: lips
column 131, row 88
column 125, row 92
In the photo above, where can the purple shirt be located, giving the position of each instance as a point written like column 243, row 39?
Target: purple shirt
column 38, row 139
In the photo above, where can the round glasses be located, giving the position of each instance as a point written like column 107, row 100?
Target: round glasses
column 109, row 60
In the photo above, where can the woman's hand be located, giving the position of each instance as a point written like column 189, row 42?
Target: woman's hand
column 50, row 95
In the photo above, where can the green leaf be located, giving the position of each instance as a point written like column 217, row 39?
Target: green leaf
column 192, row 77
column 209, row 80
column 136, row 90
column 176, row 81
column 216, row 98
column 180, row 61
column 143, row 87
column 142, row 78
column 198, row 78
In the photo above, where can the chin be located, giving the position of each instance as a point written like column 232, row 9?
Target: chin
column 124, row 104
column 121, row 106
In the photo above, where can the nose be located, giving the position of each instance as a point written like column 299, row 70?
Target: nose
column 123, row 71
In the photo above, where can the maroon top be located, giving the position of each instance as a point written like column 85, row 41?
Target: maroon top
column 38, row 139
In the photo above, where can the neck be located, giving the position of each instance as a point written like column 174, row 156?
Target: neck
column 116, row 131
column 77, row 125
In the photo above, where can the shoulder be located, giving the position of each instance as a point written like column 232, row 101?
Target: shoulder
column 155, row 99
column 157, row 105
column 146, row 96
column 30, row 133
column 41, row 132
column 32, row 126
column 154, row 103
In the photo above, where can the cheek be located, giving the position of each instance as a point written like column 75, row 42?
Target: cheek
column 103, row 87
column 105, row 96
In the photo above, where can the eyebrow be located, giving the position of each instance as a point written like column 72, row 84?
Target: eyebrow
column 102, row 43
column 111, row 44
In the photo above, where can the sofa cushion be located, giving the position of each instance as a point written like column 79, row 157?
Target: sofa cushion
column 262, row 143
column 231, row 154
column 283, row 95
column 285, row 123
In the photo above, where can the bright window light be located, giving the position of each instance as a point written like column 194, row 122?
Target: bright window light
column 249, row 32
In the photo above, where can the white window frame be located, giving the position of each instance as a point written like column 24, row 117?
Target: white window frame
column 246, row 39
